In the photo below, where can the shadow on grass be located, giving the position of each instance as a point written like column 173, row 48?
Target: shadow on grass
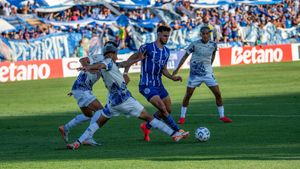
column 250, row 137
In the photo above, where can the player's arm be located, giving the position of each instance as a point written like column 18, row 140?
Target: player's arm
column 93, row 68
column 182, row 60
column 190, row 49
column 213, row 56
column 134, row 58
column 166, row 73
column 84, row 61
column 130, row 61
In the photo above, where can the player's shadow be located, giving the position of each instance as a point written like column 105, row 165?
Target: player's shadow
column 264, row 128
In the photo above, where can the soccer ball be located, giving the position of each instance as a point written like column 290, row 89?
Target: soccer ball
column 202, row 134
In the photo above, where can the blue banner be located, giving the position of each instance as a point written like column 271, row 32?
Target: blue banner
column 55, row 46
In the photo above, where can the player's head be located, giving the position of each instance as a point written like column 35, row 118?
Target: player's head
column 163, row 33
column 110, row 51
column 204, row 33
column 111, row 43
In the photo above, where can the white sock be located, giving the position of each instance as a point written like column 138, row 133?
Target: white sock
column 89, row 132
column 76, row 121
column 183, row 112
column 161, row 126
column 96, row 116
column 221, row 111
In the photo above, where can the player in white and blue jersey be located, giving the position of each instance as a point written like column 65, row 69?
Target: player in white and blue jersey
column 203, row 54
column 82, row 92
column 154, row 57
column 120, row 99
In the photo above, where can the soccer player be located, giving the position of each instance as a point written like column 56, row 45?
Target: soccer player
column 82, row 92
column 201, row 72
column 119, row 99
column 154, row 57
column 87, row 102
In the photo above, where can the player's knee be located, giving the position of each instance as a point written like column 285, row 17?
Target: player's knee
column 165, row 114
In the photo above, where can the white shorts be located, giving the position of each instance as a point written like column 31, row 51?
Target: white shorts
column 130, row 107
column 196, row 81
column 83, row 98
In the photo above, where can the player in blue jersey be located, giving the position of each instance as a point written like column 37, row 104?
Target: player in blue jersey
column 119, row 99
column 154, row 57
column 201, row 72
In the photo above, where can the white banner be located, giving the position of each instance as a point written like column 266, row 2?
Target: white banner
column 69, row 67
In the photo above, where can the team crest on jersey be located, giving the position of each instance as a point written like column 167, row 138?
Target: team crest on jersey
column 146, row 90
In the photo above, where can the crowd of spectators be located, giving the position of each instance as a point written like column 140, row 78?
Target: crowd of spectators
column 224, row 21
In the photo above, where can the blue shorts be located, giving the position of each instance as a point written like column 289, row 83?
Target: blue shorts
column 149, row 91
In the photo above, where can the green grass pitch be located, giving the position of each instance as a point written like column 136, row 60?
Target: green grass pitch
column 262, row 100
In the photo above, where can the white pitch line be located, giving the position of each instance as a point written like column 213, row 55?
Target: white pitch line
column 247, row 115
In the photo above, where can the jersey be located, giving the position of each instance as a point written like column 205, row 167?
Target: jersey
column 85, row 81
column 153, row 64
column 114, row 82
column 200, row 63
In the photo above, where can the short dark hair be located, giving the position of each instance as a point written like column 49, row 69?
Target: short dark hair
column 163, row 28
column 205, row 28
column 111, row 43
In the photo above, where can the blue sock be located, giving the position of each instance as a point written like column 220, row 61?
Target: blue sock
column 148, row 125
column 171, row 122
column 155, row 115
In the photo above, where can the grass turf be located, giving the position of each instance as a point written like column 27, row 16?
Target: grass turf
column 263, row 101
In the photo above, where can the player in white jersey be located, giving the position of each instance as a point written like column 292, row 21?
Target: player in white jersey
column 82, row 92
column 201, row 72
column 119, row 99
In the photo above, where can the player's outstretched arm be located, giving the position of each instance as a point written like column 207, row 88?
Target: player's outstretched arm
column 92, row 68
column 97, row 66
column 134, row 58
column 168, row 75
column 84, row 61
column 182, row 60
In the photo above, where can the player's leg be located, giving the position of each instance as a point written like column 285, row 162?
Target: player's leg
column 155, row 123
column 219, row 102
column 163, row 111
column 94, row 106
column 77, row 120
column 154, row 95
column 89, row 132
column 133, row 108
column 193, row 82
column 88, row 103
column 186, row 100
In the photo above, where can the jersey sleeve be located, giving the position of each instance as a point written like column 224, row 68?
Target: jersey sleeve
column 108, row 63
column 191, row 48
column 143, row 48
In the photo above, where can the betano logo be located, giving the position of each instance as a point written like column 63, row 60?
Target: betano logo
column 247, row 56
column 14, row 72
